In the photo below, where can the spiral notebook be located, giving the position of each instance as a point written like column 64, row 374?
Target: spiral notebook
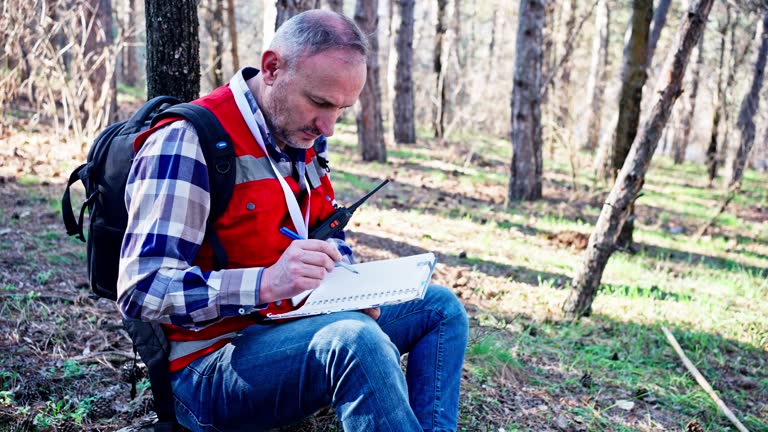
column 378, row 283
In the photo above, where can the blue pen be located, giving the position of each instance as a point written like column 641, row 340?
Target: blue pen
column 293, row 236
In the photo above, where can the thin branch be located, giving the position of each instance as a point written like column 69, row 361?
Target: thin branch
column 568, row 51
column 702, row 381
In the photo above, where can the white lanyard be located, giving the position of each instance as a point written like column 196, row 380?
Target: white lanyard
column 238, row 87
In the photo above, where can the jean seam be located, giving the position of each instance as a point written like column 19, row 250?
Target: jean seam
column 438, row 373
column 191, row 414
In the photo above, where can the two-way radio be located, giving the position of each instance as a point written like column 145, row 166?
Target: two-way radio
column 340, row 217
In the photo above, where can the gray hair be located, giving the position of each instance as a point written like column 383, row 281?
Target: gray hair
column 315, row 31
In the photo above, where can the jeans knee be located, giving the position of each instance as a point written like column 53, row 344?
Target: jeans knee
column 449, row 306
column 356, row 335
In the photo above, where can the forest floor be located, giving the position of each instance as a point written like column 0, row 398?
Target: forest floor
column 63, row 355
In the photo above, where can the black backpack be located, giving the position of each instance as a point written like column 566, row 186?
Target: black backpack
column 104, row 176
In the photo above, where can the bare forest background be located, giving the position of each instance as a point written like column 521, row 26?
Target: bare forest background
column 552, row 107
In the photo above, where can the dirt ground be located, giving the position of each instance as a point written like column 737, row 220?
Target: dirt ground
column 61, row 348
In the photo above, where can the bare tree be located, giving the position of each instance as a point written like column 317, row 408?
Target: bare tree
column 440, row 31
column 173, row 49
column 370, row 129
column 130, row 64
column 737, row 59
column 597, row 68
column 745, row 124
column 404, row 123
column 745, row 127
column 286, row 9
column 96, row 44
column 336, row 6
column 659, row 19
column 683, row 133
column 633, row 76
column 214, row 26
column 629, row 182
column 233, row 35
column 568, row 35
column 719, row 99
column 526, row 166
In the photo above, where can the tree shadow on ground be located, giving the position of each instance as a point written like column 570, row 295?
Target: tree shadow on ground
column 517, row 273
column 692, row 258
column 579, row 370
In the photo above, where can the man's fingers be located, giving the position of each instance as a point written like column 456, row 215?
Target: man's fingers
column 320, row 246
column 317, row 259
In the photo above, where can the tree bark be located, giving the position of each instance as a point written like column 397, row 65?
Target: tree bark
column 233, row 35
column 745, row 125
column 101, row 76
column 287, row 9
column 404, row 122
column 568, row 36
column 718, row 102
column 680, row 144
column 440, row 30
column 370, row 130
column 630, row 179
column 659, row 19
column 633, row 76
column 597, row 68
column 526, row 166
column 173, row 49
column 130, row 65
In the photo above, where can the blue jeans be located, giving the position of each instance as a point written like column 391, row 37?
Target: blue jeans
column 276, row 374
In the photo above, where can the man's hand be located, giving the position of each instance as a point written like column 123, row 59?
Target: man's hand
column 374, row 313
column 301, row 267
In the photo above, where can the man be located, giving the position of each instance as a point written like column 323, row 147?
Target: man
column 231, row 368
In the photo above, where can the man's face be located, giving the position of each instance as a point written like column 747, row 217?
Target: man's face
column 303, row 102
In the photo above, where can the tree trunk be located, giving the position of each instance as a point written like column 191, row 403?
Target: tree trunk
column 630, row 179
column 440, row 30
column 526, row 166
column 457, row 18
column 659, row 19
column 633, row 75
column 737, row 59
column 370, row 130
column 596, row 82
column 404, row 122
column 718, row 102
column 680, row 146
column 745, row 125
column 173, row 49
column 130, row 65
column 286, row 9
column 101, row 76
column 233, row 35
column 214, row 25
column 564, row 83
column 336, row 6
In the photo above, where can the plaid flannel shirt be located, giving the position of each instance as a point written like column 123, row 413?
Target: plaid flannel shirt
column 168, row 203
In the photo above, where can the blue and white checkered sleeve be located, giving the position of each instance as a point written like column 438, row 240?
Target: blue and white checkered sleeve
column 168, row 203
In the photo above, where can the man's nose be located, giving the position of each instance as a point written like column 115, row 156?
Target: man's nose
column 327, row 121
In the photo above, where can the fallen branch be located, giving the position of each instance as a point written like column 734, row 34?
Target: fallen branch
column 702, row 381
column 121, row 354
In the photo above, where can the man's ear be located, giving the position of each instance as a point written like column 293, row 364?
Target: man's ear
column 271, row 64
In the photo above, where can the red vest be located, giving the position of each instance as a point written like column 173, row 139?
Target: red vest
column 249, row 227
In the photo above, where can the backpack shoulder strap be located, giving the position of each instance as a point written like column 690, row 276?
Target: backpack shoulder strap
column 219, row 153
